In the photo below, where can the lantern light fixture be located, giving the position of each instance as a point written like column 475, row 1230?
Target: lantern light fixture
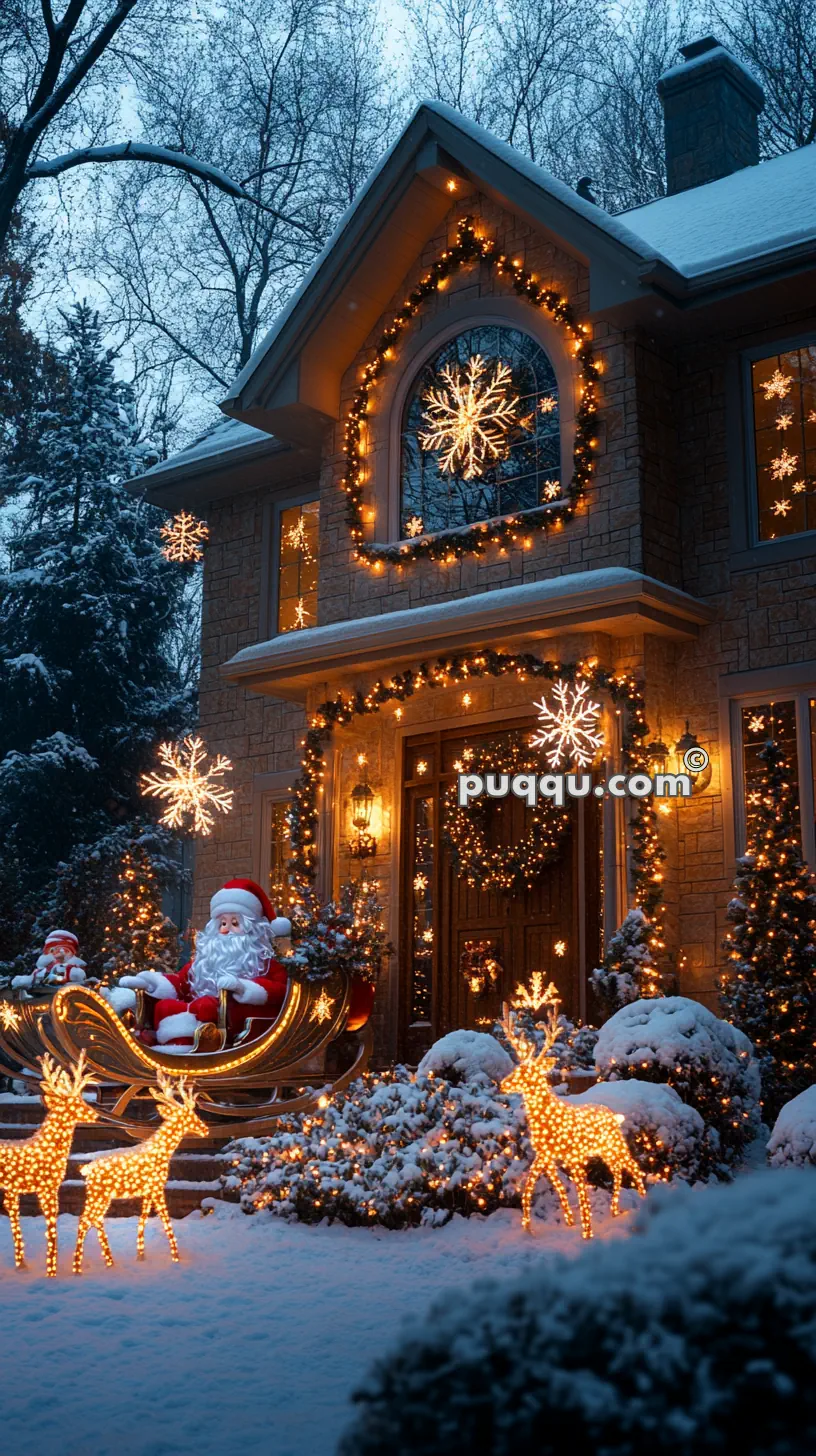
column 689, row 754
column 364, row 845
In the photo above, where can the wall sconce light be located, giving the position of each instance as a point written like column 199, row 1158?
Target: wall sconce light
column 693, row 760
column 658, row 753
column 364, row 845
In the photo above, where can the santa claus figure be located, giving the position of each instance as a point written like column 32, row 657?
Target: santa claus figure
column 235, row 953
column 58, row 964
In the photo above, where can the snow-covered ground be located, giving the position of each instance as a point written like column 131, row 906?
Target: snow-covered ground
column 252, row 1344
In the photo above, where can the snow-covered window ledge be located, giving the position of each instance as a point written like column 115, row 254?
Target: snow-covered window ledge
column 615, row 600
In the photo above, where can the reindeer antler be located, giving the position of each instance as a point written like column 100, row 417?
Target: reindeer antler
column 521, row 1046
column 172, row 1094
column 552, row 1029
column 82, row 1077
column 59, row 1081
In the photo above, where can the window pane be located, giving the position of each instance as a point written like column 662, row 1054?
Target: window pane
column 279, row 851
column 297, row 567
column 500, row 382
column 784, row 397
column 768, row 720
column 422, row 921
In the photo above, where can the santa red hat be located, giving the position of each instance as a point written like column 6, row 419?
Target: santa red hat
column 242, row 897
column 61, row 937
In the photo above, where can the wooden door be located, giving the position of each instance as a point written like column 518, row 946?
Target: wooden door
column 553, row 927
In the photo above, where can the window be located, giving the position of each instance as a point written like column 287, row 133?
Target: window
column 790, row 719
column 480, row 432
column 297, row 566
column 783, row 388
column 278, row 849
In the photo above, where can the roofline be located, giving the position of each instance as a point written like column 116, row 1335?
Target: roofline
column 168, row 472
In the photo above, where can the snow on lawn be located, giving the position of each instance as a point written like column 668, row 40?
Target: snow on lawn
column 253, row 1343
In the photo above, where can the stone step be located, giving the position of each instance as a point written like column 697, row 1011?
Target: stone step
column 182, row 1198
column 188, row 1167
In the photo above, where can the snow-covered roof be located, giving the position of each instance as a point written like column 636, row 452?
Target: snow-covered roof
column 751, row 214
column 219, row 439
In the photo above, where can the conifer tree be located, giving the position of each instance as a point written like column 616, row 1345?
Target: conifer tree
column 138, row 935
column 629, row 972
column 87, row 605
column 769, row 987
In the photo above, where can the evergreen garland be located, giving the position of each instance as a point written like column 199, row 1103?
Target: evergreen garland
column 453, row 544
column 769, row 987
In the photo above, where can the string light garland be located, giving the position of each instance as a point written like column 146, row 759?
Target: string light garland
column 465, row 830
column 38, row 1164
column 189, row 787
column 569, row 731
column 140, row 1172
column 184, row 536
column 647, row 854
column 468, row 248
column 564, row 1135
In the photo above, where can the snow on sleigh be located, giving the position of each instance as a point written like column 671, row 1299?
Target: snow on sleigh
column 318, row 1043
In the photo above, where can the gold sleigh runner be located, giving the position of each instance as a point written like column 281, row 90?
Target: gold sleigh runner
column 241, row 1089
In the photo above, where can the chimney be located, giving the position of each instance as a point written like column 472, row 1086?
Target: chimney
column 711, row 106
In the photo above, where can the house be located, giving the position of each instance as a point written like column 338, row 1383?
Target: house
column 632, row 508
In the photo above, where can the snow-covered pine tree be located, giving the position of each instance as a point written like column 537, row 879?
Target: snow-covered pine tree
column 629, row 972
column 87, row 604
column 768, row 989
column 138, row 935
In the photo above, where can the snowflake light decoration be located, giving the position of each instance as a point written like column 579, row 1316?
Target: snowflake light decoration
column 778, row 385
column 552, row 490
column 415, row 526
column 785, row 420
column 756, row 723
column 184, row 536
column 297, row 538
column 534, row 996
column 9, row 1017
column 784, row 464
column 570, row 731
column 798, row 487
column 560, row 948
column 301, row 614
column 781, row 507
column 547, row 404
column 470, row 418
column 322, row 1009
column 189, row 787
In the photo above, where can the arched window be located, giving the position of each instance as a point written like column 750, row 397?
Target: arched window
column 480, row 432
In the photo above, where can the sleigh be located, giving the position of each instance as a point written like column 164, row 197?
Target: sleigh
column 316, row 1045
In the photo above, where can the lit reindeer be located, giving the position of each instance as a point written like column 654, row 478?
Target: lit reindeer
column 38, row 1164
column 140, row 1172
column 560, row 1132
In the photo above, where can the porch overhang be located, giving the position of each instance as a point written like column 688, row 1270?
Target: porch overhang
column 615, row 600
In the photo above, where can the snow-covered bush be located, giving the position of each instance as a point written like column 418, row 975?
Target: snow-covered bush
column 709, row 1062
column 393, row 1149
column 629, row 971
column 462, row 1055
column 695, row 1335
column 793, row 1140
column 666, row 1137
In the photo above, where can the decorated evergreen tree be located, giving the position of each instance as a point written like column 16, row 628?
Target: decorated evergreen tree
column 769, row 987
column 629, row 972
column 138, row 935
column 87, row 606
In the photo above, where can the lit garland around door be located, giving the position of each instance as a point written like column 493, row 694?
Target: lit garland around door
column 624, row 690
column 510, row 868
column 514, row 528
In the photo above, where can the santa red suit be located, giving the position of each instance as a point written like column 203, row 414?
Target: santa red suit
column 58, row 964
column 235, row 952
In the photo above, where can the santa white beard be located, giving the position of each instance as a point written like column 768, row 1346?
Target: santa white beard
column 217, row 955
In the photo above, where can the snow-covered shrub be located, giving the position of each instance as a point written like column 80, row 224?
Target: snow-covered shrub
column 666, row 1137
column 695, row 1335
column 793, row 1140
column 628, row 971
column 393, row 1149
column 462, row 1055
column 709, row 1062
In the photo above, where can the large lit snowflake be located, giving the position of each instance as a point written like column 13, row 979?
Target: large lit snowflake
column 778, row 385
column 470, row 418
column 189, row 787
column 570, row 730
column 9, row 1017
column 184, row 536
column 535, row 996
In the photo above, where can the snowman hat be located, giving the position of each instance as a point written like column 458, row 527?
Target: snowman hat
column 61, row 937
column 242, row 897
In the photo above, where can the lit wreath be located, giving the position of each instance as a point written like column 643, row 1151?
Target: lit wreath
column 464, row 830
column 449, row 545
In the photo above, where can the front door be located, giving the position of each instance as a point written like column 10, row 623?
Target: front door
column 554, row 927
